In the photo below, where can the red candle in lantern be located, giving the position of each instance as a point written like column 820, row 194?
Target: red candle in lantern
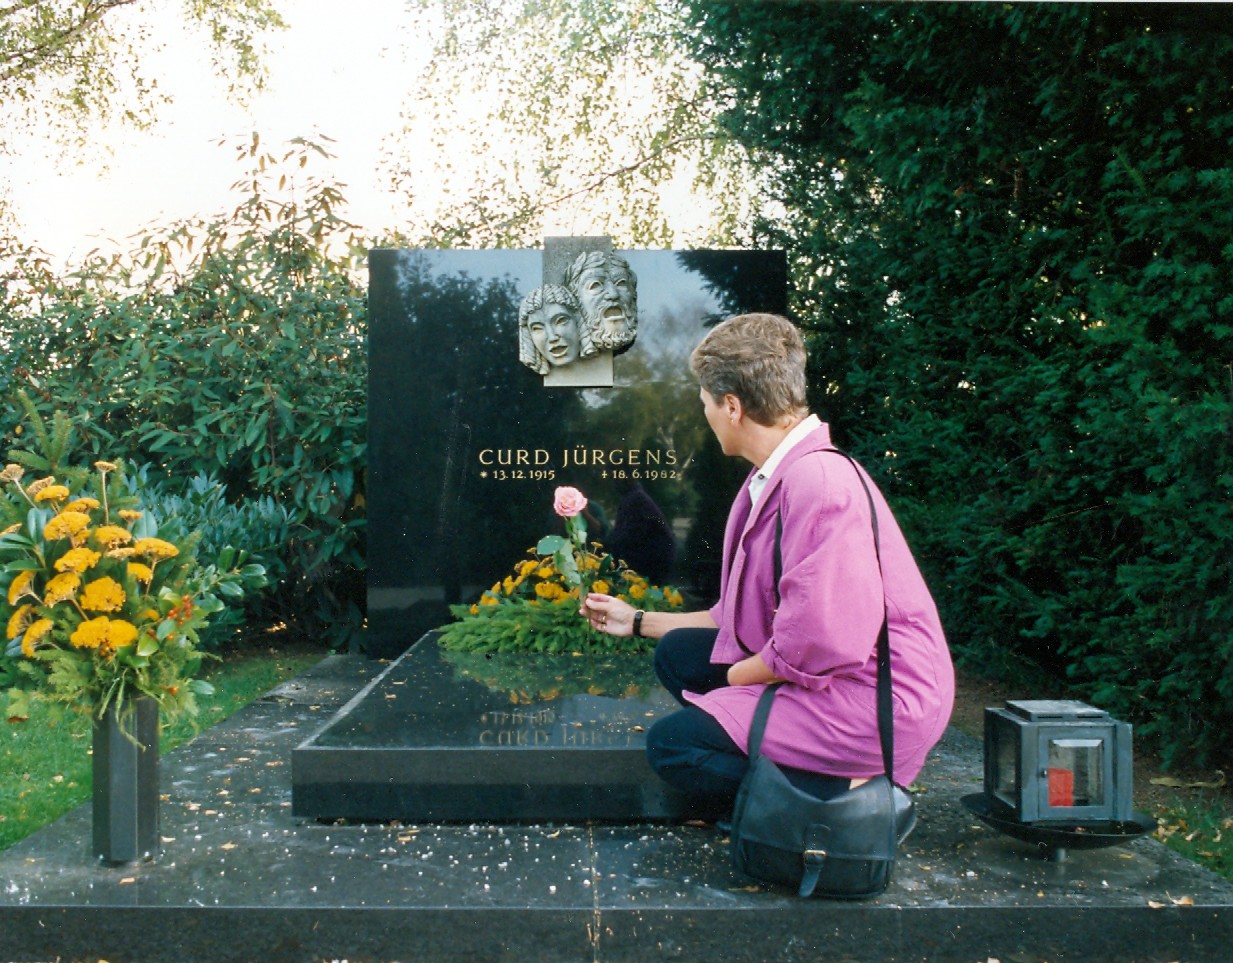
column 1061, row 787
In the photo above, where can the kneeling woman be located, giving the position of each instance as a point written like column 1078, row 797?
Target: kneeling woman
column 814, row 629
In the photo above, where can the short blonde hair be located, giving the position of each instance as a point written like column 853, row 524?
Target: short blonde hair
column 760, row 358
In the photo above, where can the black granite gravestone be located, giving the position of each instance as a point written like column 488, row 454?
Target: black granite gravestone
column 467, row 442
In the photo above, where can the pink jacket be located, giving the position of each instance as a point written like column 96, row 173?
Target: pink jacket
column 822, row 637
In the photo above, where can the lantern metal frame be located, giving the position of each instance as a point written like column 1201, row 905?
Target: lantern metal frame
column 1058, row 773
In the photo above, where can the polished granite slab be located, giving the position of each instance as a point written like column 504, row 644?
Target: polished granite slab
column 447, row 737
column 241, row 879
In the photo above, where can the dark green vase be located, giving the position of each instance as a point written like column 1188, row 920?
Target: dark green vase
column 126, row 782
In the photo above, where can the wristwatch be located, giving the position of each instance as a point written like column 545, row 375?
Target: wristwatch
column 638, row 623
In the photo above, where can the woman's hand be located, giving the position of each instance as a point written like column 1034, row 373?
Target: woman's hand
column 751, row 671
column 608, row 614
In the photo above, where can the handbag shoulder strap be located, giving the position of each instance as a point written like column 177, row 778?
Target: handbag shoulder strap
column 886, row 717
column 886, row 713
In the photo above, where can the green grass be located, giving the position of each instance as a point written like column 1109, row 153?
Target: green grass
column 1202, row 829
column 45, row 762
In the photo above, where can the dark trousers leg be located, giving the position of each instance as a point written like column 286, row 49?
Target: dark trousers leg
column 692, row 753
column 683, row 662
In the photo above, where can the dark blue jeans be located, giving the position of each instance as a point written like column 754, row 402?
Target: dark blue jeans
column 689, row 749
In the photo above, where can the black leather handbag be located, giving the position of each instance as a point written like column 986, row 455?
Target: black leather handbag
column 842, row 847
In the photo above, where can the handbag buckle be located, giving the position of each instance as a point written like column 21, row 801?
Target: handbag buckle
column 816, row 853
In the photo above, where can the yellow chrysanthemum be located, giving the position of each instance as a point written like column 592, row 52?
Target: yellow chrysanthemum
column 77, row 560
column 120, row 633
column 106, row 466
column 545, row 571
column 111, row 536
column 90, row 634
column 103, row 595
column 65, row 525
column 129, row 515
column 22, row 616
column 600, row 586
column 142, row 573
column 507, row 586
column 82, row 504
column 150, row 615
column 156, row 547
column 38, row 485
column 104, row 634
column 61, row 587
column 52, row 493
column 637, row 590
column 526, row 568
column 549, row 590
column 487, row 599
column 674, row 597
column 12, row 473
column 38, row 629
column 127, row 552
column 20, row 586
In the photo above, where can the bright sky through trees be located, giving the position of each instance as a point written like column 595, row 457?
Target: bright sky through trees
column 340, row 74
column 562, row 118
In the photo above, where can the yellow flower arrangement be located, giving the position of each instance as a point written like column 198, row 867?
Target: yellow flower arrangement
column 536, row 607
column 100, row 608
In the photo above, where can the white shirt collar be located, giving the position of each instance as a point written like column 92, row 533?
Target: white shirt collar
column 790, row 441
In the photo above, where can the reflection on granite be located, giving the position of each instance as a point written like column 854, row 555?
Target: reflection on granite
column 241, row 879
column 514, row 737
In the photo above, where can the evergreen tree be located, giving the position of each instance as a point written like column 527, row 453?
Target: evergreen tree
column 1012, row 223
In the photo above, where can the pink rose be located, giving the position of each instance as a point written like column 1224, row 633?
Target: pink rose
column 568, row 502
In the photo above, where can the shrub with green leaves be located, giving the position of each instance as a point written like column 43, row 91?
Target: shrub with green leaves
column 257, row 528
column 232, row 347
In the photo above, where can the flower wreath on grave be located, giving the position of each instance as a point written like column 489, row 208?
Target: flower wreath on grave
column 536, row 607
column 100, row 608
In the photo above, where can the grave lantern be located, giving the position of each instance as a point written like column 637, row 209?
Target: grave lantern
column 1057, row 761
